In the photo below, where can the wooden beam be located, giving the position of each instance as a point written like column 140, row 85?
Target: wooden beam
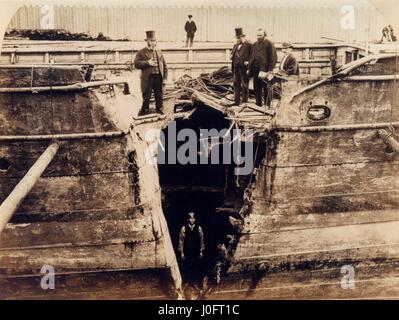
column 13, row 201
column 362, row 126
column 70, row 136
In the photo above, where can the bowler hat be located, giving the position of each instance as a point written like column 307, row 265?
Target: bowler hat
column 239, row 32
column 190, row 16
column 150, row 35
column 287, row 45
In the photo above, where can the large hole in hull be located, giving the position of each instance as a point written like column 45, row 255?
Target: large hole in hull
column 211, row 191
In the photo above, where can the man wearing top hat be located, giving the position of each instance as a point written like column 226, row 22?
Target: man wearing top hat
column 289, row 64
column 154, row 73
column 191, row 29
column 239, row 65
column 262, row 61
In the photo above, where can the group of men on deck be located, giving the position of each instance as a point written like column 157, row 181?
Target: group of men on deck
column 257, row 61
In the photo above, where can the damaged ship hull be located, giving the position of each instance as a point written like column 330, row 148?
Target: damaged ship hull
column 88, row 216
column 325, row 202
column 322, row 203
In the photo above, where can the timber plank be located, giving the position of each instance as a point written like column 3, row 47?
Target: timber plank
column 257, row 223
column 342, row 179
column 81, row 157
column 74, row 193
column 313, row 203
column 126, row 284
column 37, row 76
column 311, row 282
column 290, row 273
column 83, row 259
column 322, row 241
column 94, row 214
column 48, row 234
column 52, row 113
column 365, row 289
column 327, row 148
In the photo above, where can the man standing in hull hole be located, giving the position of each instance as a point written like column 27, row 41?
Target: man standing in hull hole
column 263, row 59
column 191, row 249
column 154, row 73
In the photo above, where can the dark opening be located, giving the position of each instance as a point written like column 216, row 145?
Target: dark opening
column 4, row 164
column 211, row 191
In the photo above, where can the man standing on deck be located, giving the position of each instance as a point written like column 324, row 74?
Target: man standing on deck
column 239, row 66
column 191, row 29
column 262, row 61
column 154, row 73
column 288, row 67
column 191, row 248
column 289, row 64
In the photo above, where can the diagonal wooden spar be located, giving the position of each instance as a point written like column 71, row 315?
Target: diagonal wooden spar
column 21, row 190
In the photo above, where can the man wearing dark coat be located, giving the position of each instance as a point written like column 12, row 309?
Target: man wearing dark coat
column 191, row 248
column 154, row 73
column 191, row 29
column 239, row 65
column 263, row 59
column 289, row 64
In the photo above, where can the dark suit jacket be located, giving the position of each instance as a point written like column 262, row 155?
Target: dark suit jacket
column 268, row 58
column 291, row 66
column 190, row 28
column 141, row 62
column 238, row 57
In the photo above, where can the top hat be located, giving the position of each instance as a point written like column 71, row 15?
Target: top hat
column 190, row 215
column 190, row 16
column 287, row 45
column 150, row 35
column 239, row 32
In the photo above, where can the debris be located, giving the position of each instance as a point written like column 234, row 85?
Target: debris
column 56, row 34
column 218, row 84
column 153, row 117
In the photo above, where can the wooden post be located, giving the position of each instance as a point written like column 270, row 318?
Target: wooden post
column 13, row 201
column 190, row 55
